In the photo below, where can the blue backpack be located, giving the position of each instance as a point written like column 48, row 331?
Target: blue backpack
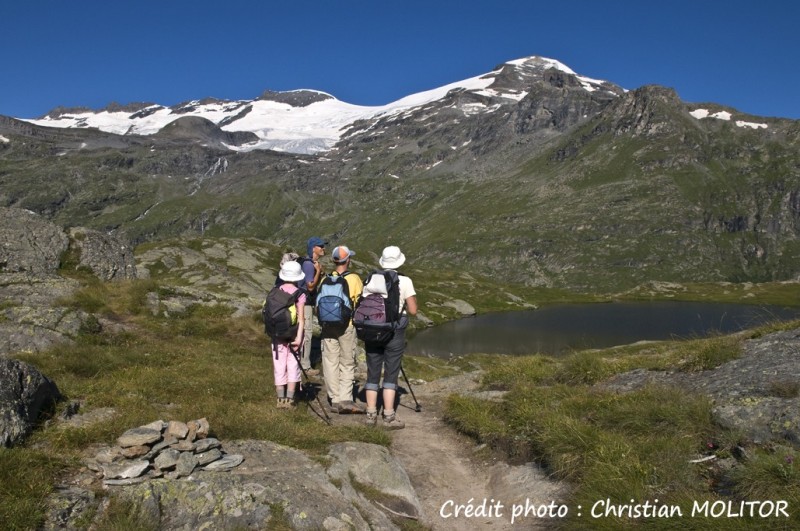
column 334, row 307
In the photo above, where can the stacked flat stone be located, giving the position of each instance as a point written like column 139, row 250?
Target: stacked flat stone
column 170, row 450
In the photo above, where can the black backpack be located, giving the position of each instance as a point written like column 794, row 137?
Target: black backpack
column 334, row 307
column 280, row 314
column 377, row 317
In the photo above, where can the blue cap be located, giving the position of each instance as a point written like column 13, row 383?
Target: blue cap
column 315, row 241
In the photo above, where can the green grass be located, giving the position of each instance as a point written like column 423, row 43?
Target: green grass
column 26, row 478
column 629, row 446
column 200, row 364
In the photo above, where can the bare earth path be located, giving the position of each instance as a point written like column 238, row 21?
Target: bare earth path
column 449, row 475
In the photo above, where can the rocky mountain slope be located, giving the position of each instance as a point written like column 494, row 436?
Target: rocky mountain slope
column 531, row 173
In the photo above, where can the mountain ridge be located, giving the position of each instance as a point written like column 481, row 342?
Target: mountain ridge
column 530, row 176
column 307, row 132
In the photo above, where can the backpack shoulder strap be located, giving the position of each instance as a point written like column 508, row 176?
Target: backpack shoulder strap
column 293, row 296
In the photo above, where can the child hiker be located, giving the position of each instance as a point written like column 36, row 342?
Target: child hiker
column 284, row 362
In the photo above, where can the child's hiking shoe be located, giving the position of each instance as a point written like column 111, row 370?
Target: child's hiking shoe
column 391, row 422
column 371, row 420
column 286, row 403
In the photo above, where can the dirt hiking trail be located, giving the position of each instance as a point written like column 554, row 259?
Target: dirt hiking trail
column 449, row 472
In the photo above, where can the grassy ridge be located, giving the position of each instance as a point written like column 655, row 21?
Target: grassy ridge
column 631, row 446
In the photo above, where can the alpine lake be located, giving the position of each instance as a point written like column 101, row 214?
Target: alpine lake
column 561, row 329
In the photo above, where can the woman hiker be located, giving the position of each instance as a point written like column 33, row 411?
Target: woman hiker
column 388, row 358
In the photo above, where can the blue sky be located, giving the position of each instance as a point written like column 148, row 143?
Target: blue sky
column 743, row 54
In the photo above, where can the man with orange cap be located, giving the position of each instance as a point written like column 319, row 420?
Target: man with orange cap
column 339, row 342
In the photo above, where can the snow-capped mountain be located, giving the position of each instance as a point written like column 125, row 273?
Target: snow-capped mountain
column 308, row 121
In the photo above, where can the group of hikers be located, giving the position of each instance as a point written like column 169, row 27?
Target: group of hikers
column 375, row 310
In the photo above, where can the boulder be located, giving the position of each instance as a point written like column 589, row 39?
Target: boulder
column 31, row 244
column 373, row 467
column 462, row 307
column 107, row 256
column 25, row 396
column 31, row 319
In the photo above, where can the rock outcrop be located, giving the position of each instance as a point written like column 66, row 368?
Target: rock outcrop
column 108, row 257
column 25, row 396
column 273, row 487
column 757, row 395
column 32, row 246
column 32, row 318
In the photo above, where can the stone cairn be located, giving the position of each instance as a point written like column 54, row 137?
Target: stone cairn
column 161, row 449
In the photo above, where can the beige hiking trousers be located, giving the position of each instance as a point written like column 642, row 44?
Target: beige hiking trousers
column 339, row 365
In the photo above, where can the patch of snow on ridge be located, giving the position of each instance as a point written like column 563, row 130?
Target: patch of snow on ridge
column 751, row 125
column 516, row 95
column 705, row 113
column 4, row 139
column 725, row 115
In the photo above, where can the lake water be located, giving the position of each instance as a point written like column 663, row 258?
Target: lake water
column 558, row 330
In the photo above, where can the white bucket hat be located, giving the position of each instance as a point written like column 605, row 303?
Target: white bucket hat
column 392, row 258
column 291, row 272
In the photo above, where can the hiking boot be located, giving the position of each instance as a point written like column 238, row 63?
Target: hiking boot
column 371, row 419
column 349, row 408
column 391, row 422
column 286, row 403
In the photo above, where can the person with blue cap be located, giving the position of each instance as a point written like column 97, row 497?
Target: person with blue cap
column 313, row 273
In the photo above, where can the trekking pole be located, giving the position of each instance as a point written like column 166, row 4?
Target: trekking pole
column 316, row 395
column 418, row 408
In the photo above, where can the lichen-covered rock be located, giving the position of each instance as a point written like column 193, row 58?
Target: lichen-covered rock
column 374, row 467
column 762, row 419
column 756, row 394
column 25, row 395
column 31, row 244
column 109, row 257
column 30, row 256
column 66, row 506
column 269, row 477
